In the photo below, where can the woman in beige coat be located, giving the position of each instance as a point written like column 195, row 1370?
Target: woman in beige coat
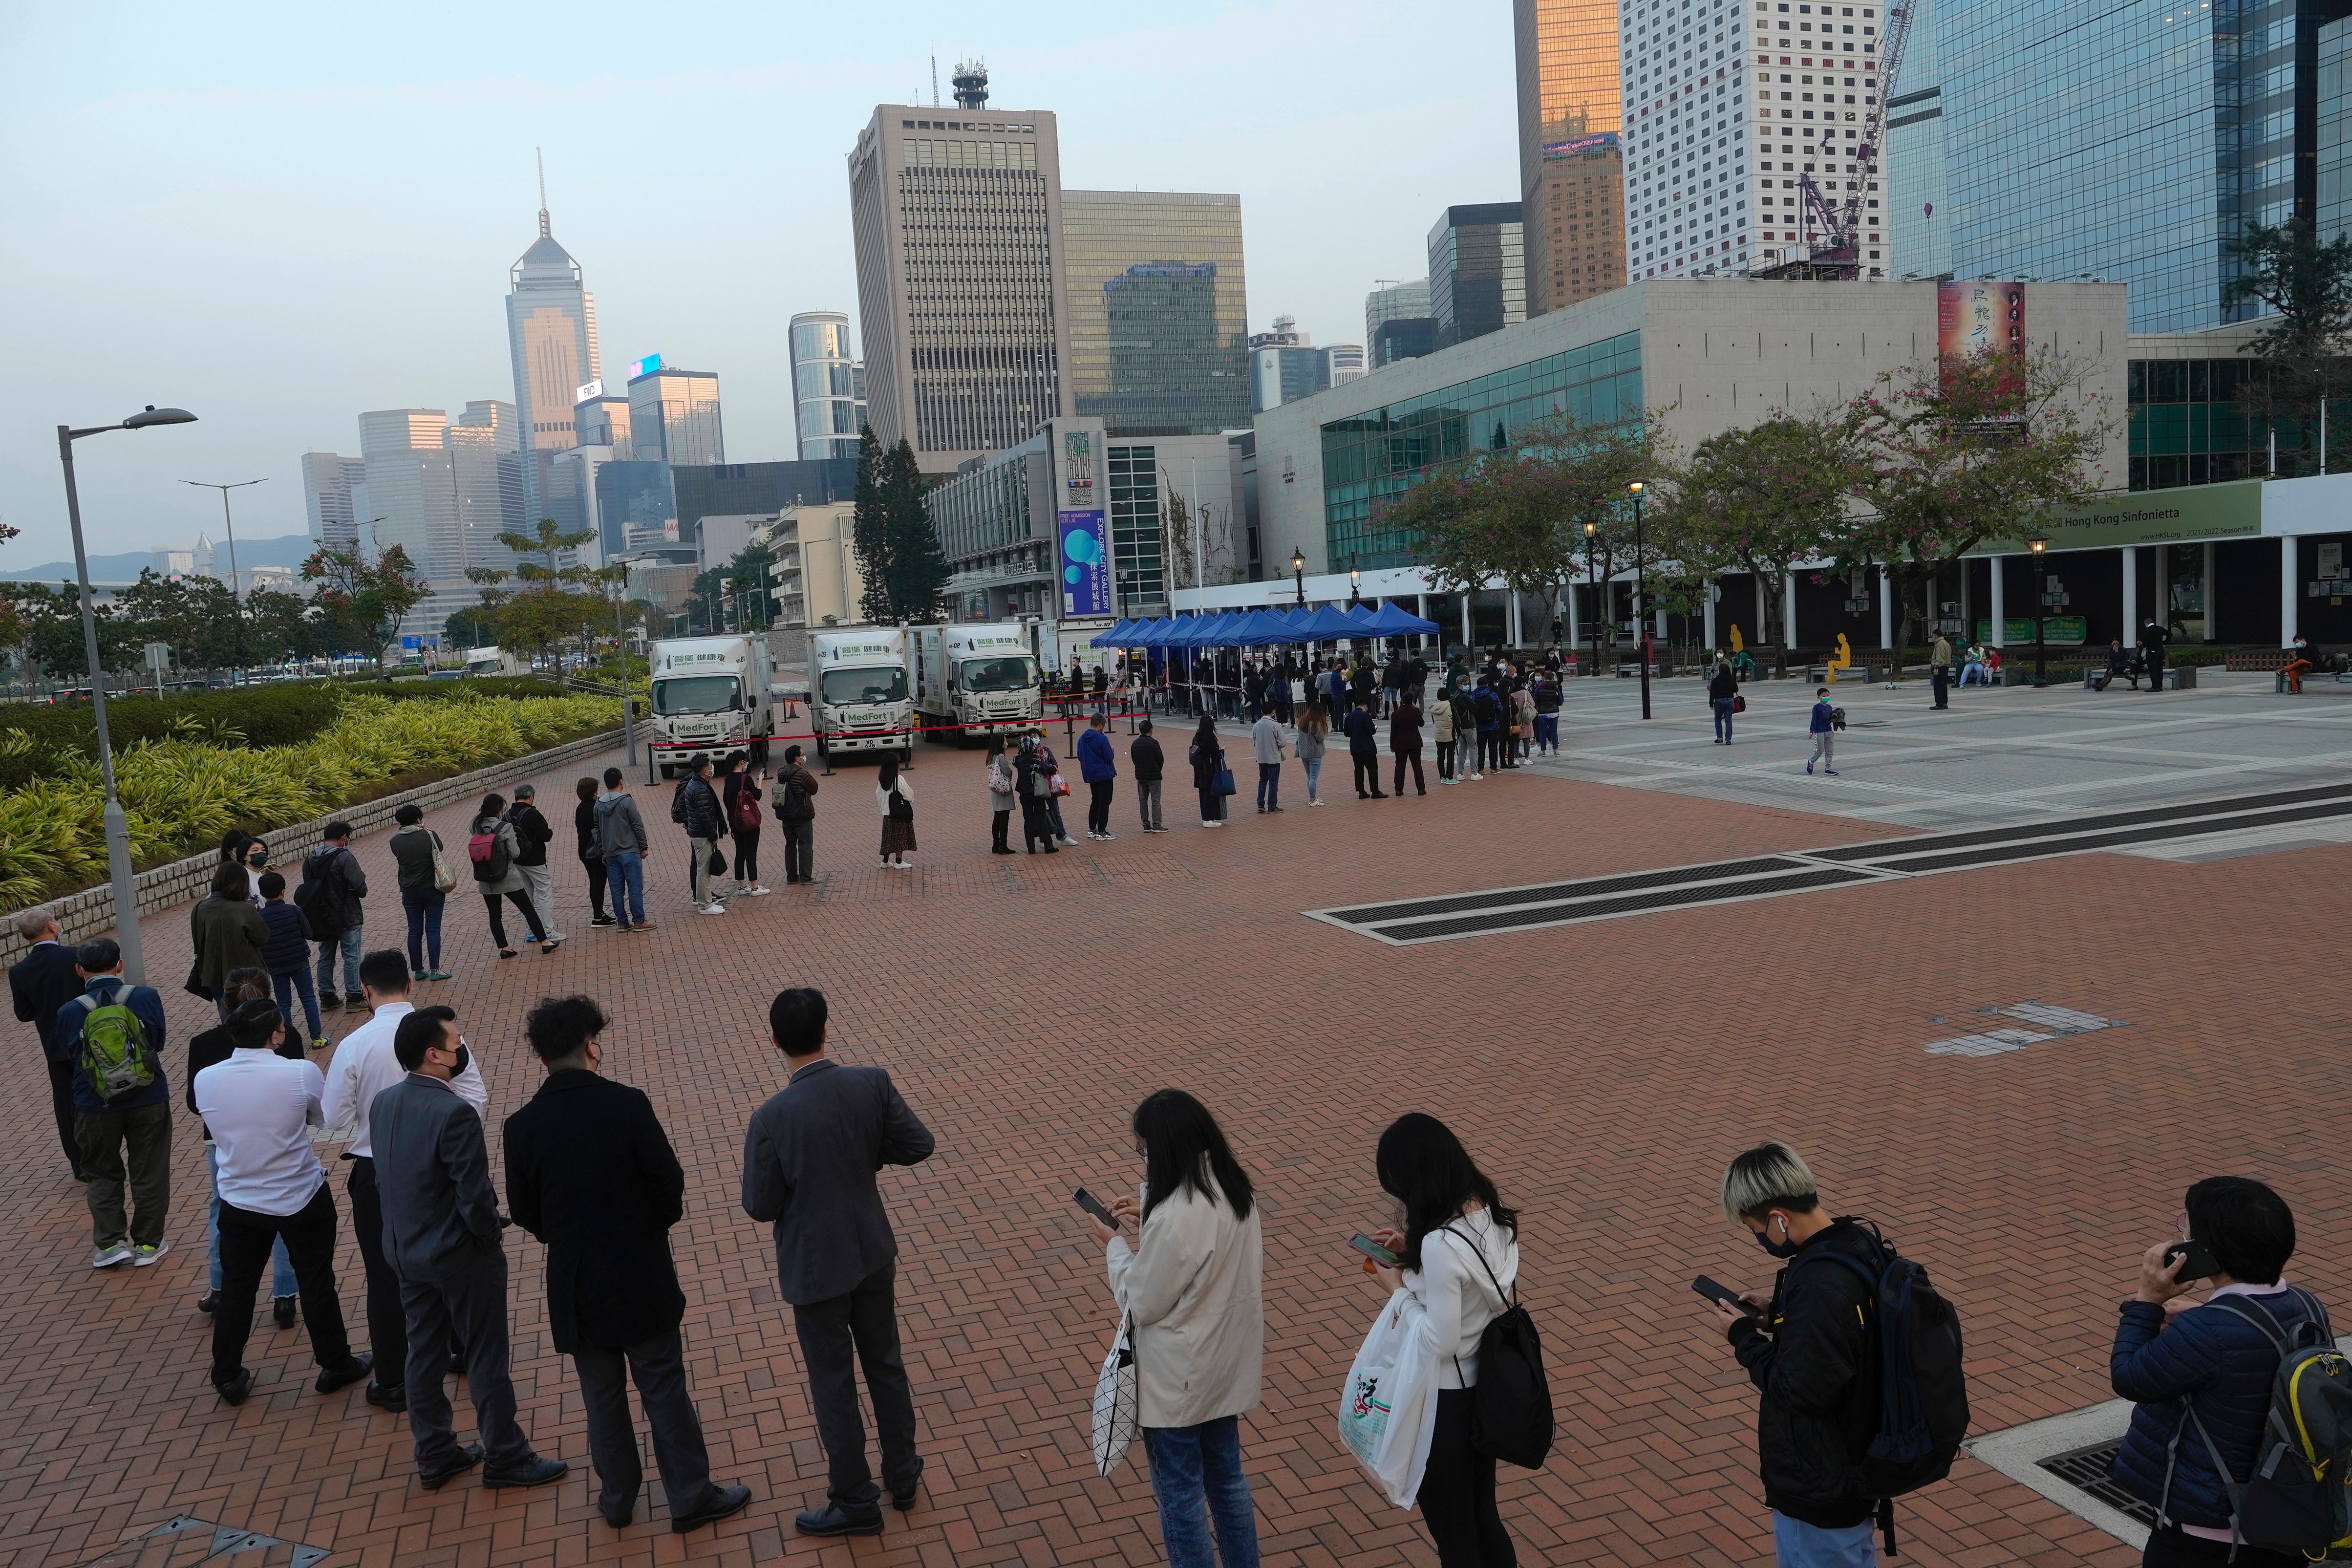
column 1191, row 1289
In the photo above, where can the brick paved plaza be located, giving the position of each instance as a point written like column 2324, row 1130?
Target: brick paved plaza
column 1601, row 1072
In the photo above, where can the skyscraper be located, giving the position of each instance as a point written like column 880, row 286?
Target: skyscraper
column 552, row 335
column 1572, row 185
column 445, row 491
column 1391, row 301
column 957, row 214
column 1477, row 272
column 1347, row 362
column 828, row 386
column 1286, row 366
column 1156, row 315
column 1918, row 206
column 328, row 481
column 674, row 414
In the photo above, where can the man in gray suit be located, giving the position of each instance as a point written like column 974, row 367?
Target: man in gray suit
column 809, row 1160
column 441, row 1237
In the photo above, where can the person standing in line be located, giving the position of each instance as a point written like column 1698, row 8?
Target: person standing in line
column 695, row 807
column 897, row 804
column 1458, row 1257
column 1314, row 741
column 1548, row 695
column 1523, row 719
column 365, row 1065
column 1035, row 781
column 40, row 983
column 441, row 1236
column 1722, row 696
column 1441, row 723
column 257, row 861
column 796, row 814
column 533, row 834
column 1208, row 758
column 741, row 798
column 217, row 1044
column 334, row 883
column 258, row 1108
column 1466, row 734
column 1099, row 767
column 1822, row 727
column 620, row 836
column 114, row 1034
column 493, row 847
column 809, row 1160
column 1192, row 1289
column 287, row 956
column 590, row 851
column 1053, row 766
column 1487, row 704
column 1364, row 748
column 2152, row 638
column 228, row 933
column 1266, row 745
column 1002, row 796
column 1939, row 670
column 1404, row 742
column 417, row 850
column 591, row 1174
column 1143, row 755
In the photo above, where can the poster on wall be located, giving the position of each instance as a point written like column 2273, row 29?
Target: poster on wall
column 1971, row 317
column 1085, row 563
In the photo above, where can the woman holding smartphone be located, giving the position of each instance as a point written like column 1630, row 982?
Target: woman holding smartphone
column 1457, row 1255
column 1191, row 1286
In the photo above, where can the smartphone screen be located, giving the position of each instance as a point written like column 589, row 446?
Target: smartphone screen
column 1373, row 1250
column 1086, row 1200
column 1725, row 1294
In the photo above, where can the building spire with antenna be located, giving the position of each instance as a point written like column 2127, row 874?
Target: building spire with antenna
column 935, row 81
column 540, row 153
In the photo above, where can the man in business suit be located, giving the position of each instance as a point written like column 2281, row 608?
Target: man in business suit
column 809, row 1160
column 591, row 1174
column 441, row 1237
column 39, row 983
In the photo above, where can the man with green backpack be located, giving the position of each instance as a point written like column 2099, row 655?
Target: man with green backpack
column 114, row 1034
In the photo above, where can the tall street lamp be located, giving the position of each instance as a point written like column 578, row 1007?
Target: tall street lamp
column 118, row 825
column 2041, row 605
column 236, row 595
column 1298, row 575
column 1600, row 597
column 1355, row 581
column 1640, row 597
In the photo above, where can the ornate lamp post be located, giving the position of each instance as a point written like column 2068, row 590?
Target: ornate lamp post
column 1640, row 597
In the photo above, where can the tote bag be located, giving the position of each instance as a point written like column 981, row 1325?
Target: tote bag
column 1117, row 1406
column 1388, row 1408
column 444, row 878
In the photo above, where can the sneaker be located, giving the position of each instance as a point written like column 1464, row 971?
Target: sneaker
column 1106, row 837
column 329, row 999
column 113, row 1253
column 437, row 974
column 760, row 892
column 1808, row 768
column 1829, row 772
column 603, row 920
column 553, row 937
column 141, row 1256
column 713, row 908
column 322, row 1044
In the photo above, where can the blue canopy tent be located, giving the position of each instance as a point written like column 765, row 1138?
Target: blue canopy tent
column 1116, row 636
column 1262, row 627
column 1324, row 623
column 1161, row 632
column 1362, row 614
column 1393, row 620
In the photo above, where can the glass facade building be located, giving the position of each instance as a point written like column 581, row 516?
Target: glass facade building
column 828, row 386
column 1136, row 537
column 1155, row 311
column 1566, row 54
column 630, row 495
column 674, row 416
column 1370, row 458
column 552, row 338
column 2332, row 141
column 1477, row 272
column 1918, row 200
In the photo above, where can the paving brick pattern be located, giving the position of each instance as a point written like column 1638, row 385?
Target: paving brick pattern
column 1602, row 1073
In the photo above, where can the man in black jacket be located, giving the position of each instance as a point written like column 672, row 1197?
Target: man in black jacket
column 2152, row 638
column 533, row 834
column 1145, row 757
column 795, row 809
column 696, row 808
column 809, row 1160
column 39, row 983
column 1364, row 747
column 1807, row 1349
column 591, row 1174
column 334, row 883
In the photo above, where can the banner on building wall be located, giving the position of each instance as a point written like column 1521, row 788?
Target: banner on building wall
column 2181, row 515
column 1086, row 563
column 1974, row 316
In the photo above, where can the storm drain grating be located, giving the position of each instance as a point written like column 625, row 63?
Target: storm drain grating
column 2086, row 1469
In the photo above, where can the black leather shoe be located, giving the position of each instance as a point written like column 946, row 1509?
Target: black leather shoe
column 903, row 1498
column 722, row 1502
column 234, row 1392
column 388, row 1396
column 465, row 1459
column 619, row 1518
column 281, row 1307
column 204, row 1302
column 532, row 1472
column 834, row 1520
column 457, row 1364
column 344, row 1377
column 327, row 1001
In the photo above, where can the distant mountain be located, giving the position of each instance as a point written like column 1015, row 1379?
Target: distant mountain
column 292, row 549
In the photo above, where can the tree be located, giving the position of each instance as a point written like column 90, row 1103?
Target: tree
column 198, row 617
column 361, row 604
column 898, row 550
column 2307, row 286
column 281, row 622
column 1762, row 500
column 869, row 535
column 56, row 642
column 735, row 595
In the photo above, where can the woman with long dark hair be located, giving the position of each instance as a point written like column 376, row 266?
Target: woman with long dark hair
column 1191, row 1287
column 1000, row 795
column 1457, row 1253
column 1208, row 756
column 739, row 794
column 898, row 805
column 490, row 823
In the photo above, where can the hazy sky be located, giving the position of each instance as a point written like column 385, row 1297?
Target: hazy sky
column 279, row 215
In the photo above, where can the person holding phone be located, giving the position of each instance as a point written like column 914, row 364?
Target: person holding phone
column 1192, row 1288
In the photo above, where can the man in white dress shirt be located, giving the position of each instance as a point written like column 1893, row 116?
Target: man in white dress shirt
column 259, row 1108
column 365, row 1068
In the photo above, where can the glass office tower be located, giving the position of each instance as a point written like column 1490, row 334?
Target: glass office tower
column 1477, row 272
column 1156, row 299
column 828, row 386
column 674, row 414
column 1569, row 98
column 2332, row 195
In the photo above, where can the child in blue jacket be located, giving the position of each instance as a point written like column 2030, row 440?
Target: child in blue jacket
column 1824, row 733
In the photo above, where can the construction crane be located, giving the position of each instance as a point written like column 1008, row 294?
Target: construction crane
column 1840, row 224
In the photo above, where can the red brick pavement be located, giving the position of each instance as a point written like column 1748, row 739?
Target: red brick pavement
column 1602, row 1073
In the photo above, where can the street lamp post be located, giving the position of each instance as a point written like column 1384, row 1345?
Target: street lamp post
column 1600, row 598
column 2037, row 544
column 118, row 825
column 1640, row 597
column 235, row 596
column 1355, row 582
column 1298, row 575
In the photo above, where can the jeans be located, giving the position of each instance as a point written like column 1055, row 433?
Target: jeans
column 424, row 906
column 287, row 986
column 281, row 1280
column 1197, row 1479
column 522, row 900
column 1099, row 794
column 625, row 878
column 1314, row 766
column 308, row 1236
column 1548, row 732
column 1146, row 801
column 594, row 865
column 862, row 1324
column 1938, row 675
column 1802, row 1545
column 348, row 943
column 698, row 871
column 658, row 1367
column 800, row 849
column 1722, row 706
column 146, row 1132
column 1457, row 1492
column 1269, row 785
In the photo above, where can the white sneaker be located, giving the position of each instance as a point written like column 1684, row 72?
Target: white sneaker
column 552, row 937
column 713, row 908
column 1317, row 804
column 1106, row 837
column 758, row 892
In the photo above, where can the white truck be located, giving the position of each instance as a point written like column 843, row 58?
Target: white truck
column 858, row 698
column 976, row 680
column 709, row 699
column 494, row 661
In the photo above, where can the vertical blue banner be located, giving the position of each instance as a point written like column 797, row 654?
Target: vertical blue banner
column 1086, row 563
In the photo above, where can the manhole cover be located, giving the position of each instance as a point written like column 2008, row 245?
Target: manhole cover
column 2086, row 1469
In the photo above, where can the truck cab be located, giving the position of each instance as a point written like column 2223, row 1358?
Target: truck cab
column 976, row 680
column 709, row 699
column 860, row 697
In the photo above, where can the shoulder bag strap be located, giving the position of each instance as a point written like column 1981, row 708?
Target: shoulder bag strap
column 1509, row 1298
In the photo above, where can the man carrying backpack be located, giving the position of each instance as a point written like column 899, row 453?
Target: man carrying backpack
column 695, row 807
column 329, row 896
column 114, row 1035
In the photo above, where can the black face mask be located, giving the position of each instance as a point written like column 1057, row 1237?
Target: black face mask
column 1777, row 1248
column 465, row 1059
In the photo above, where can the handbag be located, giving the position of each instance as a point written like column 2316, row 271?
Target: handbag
column 1388, row 1408
column 1117, row 1404
column 717, row 866
column 1738, row 703
column 1058, row 784
column 444, row 878
column 1222, row 783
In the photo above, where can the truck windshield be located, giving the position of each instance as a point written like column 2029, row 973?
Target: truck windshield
column 1013, row 672
column 483, row 666
column 695, row 694
column 846, row 686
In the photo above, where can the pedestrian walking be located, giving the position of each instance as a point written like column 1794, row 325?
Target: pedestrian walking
column 1034, row 781
column 1723, row 697
column 1208, row 775
column 1822, row 727
column 332, row 885
column 258, row 1108
column 114, row 1034
column 1266, row 746
column 1004, row 794
column 1314, row 740
column 897, row 804
column 590, row 850
column 809, row 1160
column 40, row 983
column 795, row 809
column 425, row 883
column 621, row 834
column 492, row 847
column 1404, row 742
column 1364, row 748
column 442, row 1238
column 694, row 805
column 1457, row 1260
column 287, row 956
column 1143, row 755
column 1441, row 724
column 1100, row 768
column 533, row 834
column 591, row 1174
column 1191, row 1291
column 228, row 933
column 742, row 795
column 365, row 1065
column 217, row 1044
column 1939, row 669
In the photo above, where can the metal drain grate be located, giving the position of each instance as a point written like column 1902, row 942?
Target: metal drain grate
column 2086, row 1469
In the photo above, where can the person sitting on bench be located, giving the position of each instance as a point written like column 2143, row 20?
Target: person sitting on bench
column 2301, row 658
column 1973, row 666
column 2120, row 661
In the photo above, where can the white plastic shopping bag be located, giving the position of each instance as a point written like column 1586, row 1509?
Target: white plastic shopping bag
column 1388, row 1411
column 1116, row 1403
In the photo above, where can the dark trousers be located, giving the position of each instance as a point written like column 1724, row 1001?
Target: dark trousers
column 104, row 1136
column 1269, row 785
column 1000, row 822
column 2156, row 683
column 387, row 1319
column 1368, row 772
column 1446, row 759
column 522, row 900
column 866, row 1320
column 62, row 1082
column 657, row 1366
column 246, row 1238
column 1457, row 1493
column 2173, row 1547
column 1419, row 785
column 800, row 849
column 595, row 864
column 747, row 856
column 1036, row 827
column 1936, row 678
column 1099, row 794
column 471, row 1306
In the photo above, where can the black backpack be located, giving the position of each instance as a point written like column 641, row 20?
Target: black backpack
column 321, row 895
column 1511, row 1406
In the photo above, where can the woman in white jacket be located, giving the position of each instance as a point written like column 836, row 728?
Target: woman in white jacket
column 1459, row 1253
column 1191, row 1286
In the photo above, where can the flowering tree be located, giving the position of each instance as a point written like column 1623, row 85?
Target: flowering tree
column 1762, row 500
column 361, row 604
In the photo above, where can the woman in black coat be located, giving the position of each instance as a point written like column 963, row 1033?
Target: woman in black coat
column 1208, row 757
